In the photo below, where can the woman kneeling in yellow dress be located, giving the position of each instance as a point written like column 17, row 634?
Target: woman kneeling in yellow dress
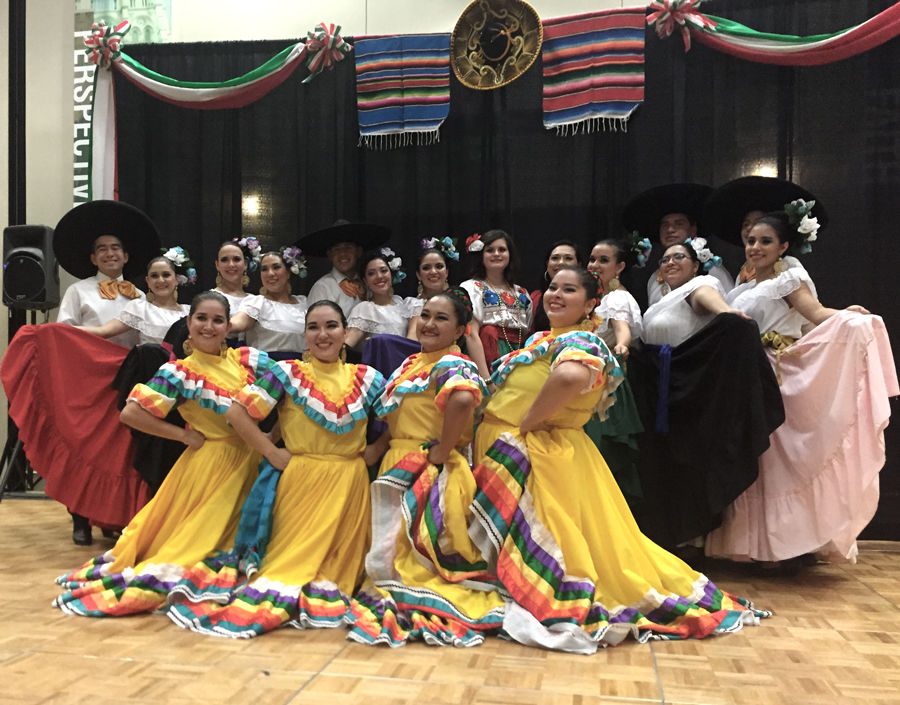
column 196, row 509
column 304, row 530
column 427, row 579
column 550, row 517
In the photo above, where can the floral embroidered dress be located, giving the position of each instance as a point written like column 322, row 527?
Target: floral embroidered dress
column 818, row 483
column 503, row 317
column 554, row 525
column 426, row 579
column 196, row 510
column 304, row 531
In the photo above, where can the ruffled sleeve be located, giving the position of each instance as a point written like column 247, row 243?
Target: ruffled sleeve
column 160, row 394
column 261, row 397
column 255, row 361
column 475, row 295
column 362, row 317
column 453, row 373
column 589, row 350
column 134, row 315
column 252, row 305
column 412, row 306
column 791, row 279
column 619, row 305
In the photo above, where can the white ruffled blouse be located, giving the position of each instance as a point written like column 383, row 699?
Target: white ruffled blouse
column 618, row 305
column 151, row 322
column 279, row 326
column 765, row 301
column 672, row 320
column 393, row 318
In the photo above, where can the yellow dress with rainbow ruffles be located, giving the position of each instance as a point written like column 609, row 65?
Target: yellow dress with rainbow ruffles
column 426, row 579
column 554, row 525
column 197, row 507
column 315, row 511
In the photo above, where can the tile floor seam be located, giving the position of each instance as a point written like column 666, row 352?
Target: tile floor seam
column 659, row 683
column 317, row 673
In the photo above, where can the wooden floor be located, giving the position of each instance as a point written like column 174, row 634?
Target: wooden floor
column 835, row 639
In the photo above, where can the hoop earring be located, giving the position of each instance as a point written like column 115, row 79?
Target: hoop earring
column 219, row 281
column 546, row 276
column 245, row 280
column 780, row 266
column 614, row 284
column 187, row 346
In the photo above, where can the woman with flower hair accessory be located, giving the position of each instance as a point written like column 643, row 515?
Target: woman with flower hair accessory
column 818, row 483
column 198, row 505
column 426, row 579
column 433, row 266
column 274, row 319
column 549, row 518
column 152, row 317
column 699, row 355
column 383, row 312
column 235, row 261
column 619, row 323
column 503, row 310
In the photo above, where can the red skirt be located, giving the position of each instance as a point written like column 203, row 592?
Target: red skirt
column 59, row 383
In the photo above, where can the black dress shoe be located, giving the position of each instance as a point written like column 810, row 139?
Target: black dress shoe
column 82, row 536
column 111, row 533
column 81, row 531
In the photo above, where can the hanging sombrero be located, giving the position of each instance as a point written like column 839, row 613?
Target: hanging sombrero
column 494, row 42
column 643, row 212
column 75, row 233
column 726, row 207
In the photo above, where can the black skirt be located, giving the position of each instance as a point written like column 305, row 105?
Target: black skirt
column 707, row 411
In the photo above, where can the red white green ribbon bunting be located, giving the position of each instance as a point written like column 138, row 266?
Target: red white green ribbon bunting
column 669, row 14
column 764, row 47
column 104, row 44
column 324, row 47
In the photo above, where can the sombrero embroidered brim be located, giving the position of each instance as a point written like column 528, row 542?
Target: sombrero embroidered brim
column 366, row 235
column 644, row 211
column 75, row 233
column 494, row 42
column 726, row 207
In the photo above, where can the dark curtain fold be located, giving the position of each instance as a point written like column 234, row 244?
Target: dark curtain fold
column 707, row 117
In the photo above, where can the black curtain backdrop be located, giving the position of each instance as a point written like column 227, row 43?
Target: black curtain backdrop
column 707, row 118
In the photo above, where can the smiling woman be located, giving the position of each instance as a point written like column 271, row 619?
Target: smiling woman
column 151, row 317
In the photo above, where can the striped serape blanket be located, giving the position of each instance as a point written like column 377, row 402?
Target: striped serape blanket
column 593, row 70
column 402, row 89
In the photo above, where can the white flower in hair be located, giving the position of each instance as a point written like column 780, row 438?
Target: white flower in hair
column 704, row 254
column 808, row 226
column 176, row 255
column 395, row 263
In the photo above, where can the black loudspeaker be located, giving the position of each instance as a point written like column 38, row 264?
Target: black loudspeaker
column 30, row 275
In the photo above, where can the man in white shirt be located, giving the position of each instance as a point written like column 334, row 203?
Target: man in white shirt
column 343, row 243
column 96, row 241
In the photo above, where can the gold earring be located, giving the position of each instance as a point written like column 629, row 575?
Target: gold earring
column 780, row 266
column 223, row 348
column 262, row 291
column 659, row 276
column 219, row 281
column 614, row 284
column 245, row 280
column 420, row 290
column 187, row 346
column 343, row 354
column 307, row 357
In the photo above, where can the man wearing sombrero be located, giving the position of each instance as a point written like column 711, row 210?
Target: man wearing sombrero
column 668, row 215
column 343, row 243
column 98, row 242
column 734, row 208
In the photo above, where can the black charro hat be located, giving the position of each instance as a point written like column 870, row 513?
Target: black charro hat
column 366, row 235
column 643, row 212
column 75, row 233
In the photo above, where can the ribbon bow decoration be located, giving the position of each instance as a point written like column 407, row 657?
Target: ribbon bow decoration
column 104, row 44
column 668, row 14
column 324, row 47
column 111, row 288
